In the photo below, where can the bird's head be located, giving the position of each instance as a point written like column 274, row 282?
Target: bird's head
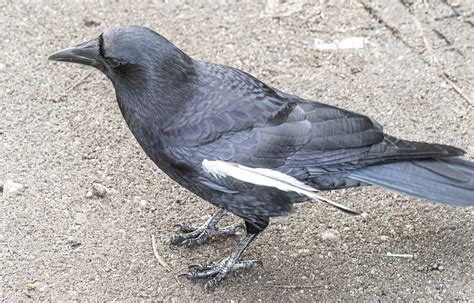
column 129, row 54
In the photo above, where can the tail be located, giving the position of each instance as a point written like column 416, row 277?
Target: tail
column 446, row 180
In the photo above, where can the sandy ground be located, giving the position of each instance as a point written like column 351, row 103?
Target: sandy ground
column 61, row 132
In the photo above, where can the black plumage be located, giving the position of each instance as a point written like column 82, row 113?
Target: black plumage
column 184, row 112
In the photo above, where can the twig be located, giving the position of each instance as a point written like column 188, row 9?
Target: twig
column 72, row 87
column 385, row 22
column 295, row 286
column 330, row 56
column 444, row 75
column 442, row 36
column 158, row 257
column 79, row 82
column 428, row 47
column 399, row 255
column 10, row 249
column 433, row 57
column 456, row 13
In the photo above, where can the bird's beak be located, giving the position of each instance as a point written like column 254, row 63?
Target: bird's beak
column 86, row 53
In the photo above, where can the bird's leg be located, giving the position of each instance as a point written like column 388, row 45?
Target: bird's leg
column 217, row 272
column 194, row 236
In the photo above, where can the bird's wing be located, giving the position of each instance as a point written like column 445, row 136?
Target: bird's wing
column 244, row 135
column 225, row 101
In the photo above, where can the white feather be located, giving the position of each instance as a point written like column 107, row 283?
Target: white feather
column 266, row 177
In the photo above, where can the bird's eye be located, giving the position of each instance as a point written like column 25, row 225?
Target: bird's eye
column 112, row 62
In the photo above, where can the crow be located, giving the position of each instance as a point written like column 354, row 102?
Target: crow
column 251, row 149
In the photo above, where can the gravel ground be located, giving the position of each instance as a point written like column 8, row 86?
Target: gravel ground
column 81, row 201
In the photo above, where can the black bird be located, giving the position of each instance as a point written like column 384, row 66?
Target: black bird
column 251, row 149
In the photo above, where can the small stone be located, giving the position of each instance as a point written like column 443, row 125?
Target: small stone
column 3, row 67
column 143, row 203
column 304, row 252
column 91, row 23
column 31, row 286
column 89, row 194
column 436, row 267
column 355, row 70
column 81, row 219
column 74, row 245
column 12, row 188
column 99, row 190
column 330, row 235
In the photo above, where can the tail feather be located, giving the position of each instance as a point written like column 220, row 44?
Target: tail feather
column 446, row 180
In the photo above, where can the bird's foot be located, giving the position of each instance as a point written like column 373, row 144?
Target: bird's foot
column 218, row 272
column 195, row 236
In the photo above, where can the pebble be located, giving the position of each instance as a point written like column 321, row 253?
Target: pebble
column 3, row 67
column 330, row 235
column 437, row 267
column 304, row 252
column 31, row 286
column 99, row 190
column 12, row 188
column 80, row 219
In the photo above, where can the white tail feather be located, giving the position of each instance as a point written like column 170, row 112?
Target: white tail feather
column 267, row 177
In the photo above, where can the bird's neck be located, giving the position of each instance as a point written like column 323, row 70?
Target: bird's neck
column 151, row 98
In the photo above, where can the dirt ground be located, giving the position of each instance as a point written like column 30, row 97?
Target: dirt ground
column 61, row 132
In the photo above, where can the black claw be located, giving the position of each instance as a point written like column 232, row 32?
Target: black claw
column 201, row 266
column 187, row 275
column 185, row 228
column 186, row 242
column 191, row 276
column 172, row 240
column 233, row 229
column 210, row 284
column 215, row 281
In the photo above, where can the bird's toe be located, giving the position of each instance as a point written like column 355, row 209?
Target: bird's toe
column 185, row 228
column 217, row 272
column 196, row 236
column 231, row 230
